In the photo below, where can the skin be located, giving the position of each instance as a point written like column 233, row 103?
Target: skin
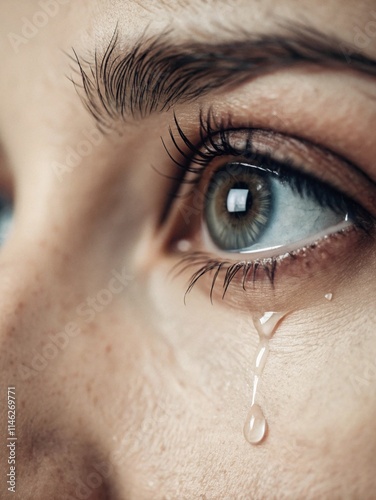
column 148, row 397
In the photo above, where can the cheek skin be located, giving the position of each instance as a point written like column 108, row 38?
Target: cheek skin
column 311, row 391
column 54, row 450
column 160, row 391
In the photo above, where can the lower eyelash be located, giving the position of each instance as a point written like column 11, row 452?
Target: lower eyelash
column 245, row 268
column 252, row 271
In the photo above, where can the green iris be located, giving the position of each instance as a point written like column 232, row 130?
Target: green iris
column 238, row 206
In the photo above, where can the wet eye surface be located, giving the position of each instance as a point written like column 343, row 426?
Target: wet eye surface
column 6, row 218
column 250, row 209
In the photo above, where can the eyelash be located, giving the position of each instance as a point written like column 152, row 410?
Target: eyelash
column 215, row 142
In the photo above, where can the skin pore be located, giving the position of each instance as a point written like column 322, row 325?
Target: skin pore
column 124, row 390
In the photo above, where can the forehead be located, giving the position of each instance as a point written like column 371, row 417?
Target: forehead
column 95, row 20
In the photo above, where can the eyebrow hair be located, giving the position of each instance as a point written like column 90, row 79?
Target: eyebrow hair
column 158, row 72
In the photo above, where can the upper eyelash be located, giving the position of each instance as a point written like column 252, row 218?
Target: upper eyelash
column 197, row 157
column 203, row 153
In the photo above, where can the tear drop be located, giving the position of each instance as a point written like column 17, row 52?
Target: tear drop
column 255, row 425
column 266, row 324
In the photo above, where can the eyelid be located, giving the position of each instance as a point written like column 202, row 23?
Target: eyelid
column 298, row 156
column 316, row 161
column 246, row 283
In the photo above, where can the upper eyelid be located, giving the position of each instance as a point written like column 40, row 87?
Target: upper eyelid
column 212, row 126
column 203, row 151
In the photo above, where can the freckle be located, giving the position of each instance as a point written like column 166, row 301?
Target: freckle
column 88, row 387
column 95, row 400
column 108, row 348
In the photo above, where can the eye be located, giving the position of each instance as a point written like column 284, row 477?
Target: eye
column 250, row 209
column 6, row 218
column 255, row 200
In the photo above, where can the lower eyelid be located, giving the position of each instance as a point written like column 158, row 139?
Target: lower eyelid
column 279, row 281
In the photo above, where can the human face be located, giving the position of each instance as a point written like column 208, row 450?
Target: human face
column 124, row 390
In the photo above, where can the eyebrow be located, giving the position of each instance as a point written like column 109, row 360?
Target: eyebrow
column 158, row 72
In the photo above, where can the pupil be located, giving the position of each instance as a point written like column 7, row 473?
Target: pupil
column 239, row 199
